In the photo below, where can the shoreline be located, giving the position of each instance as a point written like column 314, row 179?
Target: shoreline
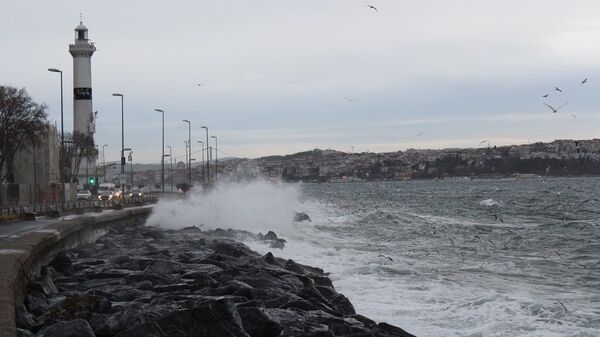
column 141, row 280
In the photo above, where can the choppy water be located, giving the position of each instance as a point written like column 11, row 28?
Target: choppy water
column 460, row 258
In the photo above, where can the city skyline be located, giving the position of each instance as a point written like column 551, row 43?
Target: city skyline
column 279, row 77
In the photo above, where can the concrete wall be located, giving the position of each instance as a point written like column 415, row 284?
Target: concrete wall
column 22, row 258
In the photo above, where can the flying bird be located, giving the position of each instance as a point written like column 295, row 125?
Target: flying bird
column 557, row 89
column 419, row 134
column 200, row 84
column 574, row 117
column 350, row 99
column 553, row 109
column 546, row 95
column 584, row 81
column 372, row 7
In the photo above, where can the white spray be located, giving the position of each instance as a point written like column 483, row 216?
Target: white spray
column 256, row 206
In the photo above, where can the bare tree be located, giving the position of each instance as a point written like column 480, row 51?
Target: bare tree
column 21, row 119
column 78, row 147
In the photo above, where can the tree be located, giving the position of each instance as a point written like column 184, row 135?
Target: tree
column 78, row 147
column 21, row 119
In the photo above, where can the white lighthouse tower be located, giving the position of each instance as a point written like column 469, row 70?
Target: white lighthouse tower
column 83, row 115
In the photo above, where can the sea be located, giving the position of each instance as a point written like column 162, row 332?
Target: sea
column 493, row 257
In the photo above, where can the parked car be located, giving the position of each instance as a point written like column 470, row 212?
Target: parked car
column 84, row 195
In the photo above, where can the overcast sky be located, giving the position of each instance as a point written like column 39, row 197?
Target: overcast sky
column 422, row 74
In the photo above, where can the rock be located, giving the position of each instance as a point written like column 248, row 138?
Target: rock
column 291, row 265
column 61, row 262
column 75, row 328
column 257, row 323
column 24, row 333
column 270, row 236
column 341, row 304
column 216, row 318
column 45, row 284
column 37, row 304
column 299, row 217
column 24, row 319
column 391, row 330
column 269, row 258
column 232, row 248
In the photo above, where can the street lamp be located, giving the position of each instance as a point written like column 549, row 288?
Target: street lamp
column 62, row 135
column 131, row 168
column 202, row 162
column 207, row 157
column 216, row 158
column 103, row 164
column 171, row 158
column 190, row 156
column 162, row 159
column 122, row 142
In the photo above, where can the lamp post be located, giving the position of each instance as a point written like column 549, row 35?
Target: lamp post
column 62, row 135
column 122, row 144
column 131, row 167
column 186, row 159
column 190, row 149
column 171, row 158
column 202, row 161
column 207, row 157
column 162, row 159
column 103, row 164
column 216, row 158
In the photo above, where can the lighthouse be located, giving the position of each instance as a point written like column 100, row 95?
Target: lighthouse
column 83, row 113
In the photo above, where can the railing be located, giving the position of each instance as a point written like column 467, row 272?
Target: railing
column 75, row 206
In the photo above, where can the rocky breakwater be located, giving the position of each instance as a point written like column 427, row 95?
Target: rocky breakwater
column 144, row 282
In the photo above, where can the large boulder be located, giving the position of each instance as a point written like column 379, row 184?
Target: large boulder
column 76, row 328
column 216, row 319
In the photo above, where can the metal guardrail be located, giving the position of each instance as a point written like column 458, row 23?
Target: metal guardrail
column 74, row 206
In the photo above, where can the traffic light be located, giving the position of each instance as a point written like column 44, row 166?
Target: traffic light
column 92, row 180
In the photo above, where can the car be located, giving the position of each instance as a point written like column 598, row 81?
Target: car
column 84, row 195
column 105, row 195
column 135, row 193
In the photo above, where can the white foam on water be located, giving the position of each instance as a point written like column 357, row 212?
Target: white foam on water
column 427, row 296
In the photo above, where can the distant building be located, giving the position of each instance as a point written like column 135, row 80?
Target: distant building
column 36, row 174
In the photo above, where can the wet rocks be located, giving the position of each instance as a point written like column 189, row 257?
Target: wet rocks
column 141, row 281
column 299, row 217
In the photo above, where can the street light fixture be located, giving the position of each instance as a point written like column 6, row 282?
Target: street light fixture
column 202, row 161
column 171, row 157
column 190, row 149
column 216, row 158
column 162, row 159
column 62, row 136
column 122, row 144
column 207, row 157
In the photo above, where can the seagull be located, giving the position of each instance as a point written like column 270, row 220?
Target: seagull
column 574, row 117
column 200, row 84
column 419, row 134
column 553, row 109
column 546, row 95
column 584, row 81
column 350, row 100
column 557, row 89
column 483, row 141
column 372, row 7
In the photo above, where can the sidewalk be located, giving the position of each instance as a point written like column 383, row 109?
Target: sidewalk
column 13, row 230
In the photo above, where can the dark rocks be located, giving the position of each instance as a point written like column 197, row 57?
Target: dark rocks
column 143, row 282
column 258, row 323
column 61, row 262
column 75, row 328
column 217, row 318
column 299, row 217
